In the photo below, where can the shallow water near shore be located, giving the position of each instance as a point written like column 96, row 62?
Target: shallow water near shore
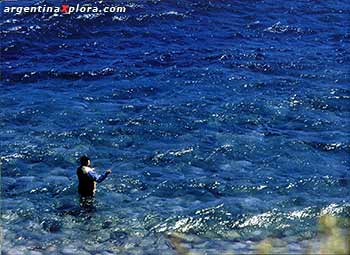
column 225, row 122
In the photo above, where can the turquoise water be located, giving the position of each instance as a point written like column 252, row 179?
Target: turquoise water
column 225, row 121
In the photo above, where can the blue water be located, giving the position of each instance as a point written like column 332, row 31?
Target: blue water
column 226, row 121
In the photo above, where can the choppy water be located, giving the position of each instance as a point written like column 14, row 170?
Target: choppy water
column 227, row 121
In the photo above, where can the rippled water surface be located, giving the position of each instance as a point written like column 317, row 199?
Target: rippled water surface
column 227, row 121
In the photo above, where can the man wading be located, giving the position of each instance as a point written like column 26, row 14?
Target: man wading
column 88, row 177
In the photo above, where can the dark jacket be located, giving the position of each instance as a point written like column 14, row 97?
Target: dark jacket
column 87, row 185
column 87, row 180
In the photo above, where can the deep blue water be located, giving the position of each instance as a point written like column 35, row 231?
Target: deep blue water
column 227, row 121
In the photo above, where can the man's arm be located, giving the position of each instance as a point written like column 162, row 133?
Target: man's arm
column 98, row 178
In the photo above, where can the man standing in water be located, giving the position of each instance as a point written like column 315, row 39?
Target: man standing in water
column 88, row 177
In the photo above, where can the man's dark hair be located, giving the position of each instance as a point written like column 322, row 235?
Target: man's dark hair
column 84, row 160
